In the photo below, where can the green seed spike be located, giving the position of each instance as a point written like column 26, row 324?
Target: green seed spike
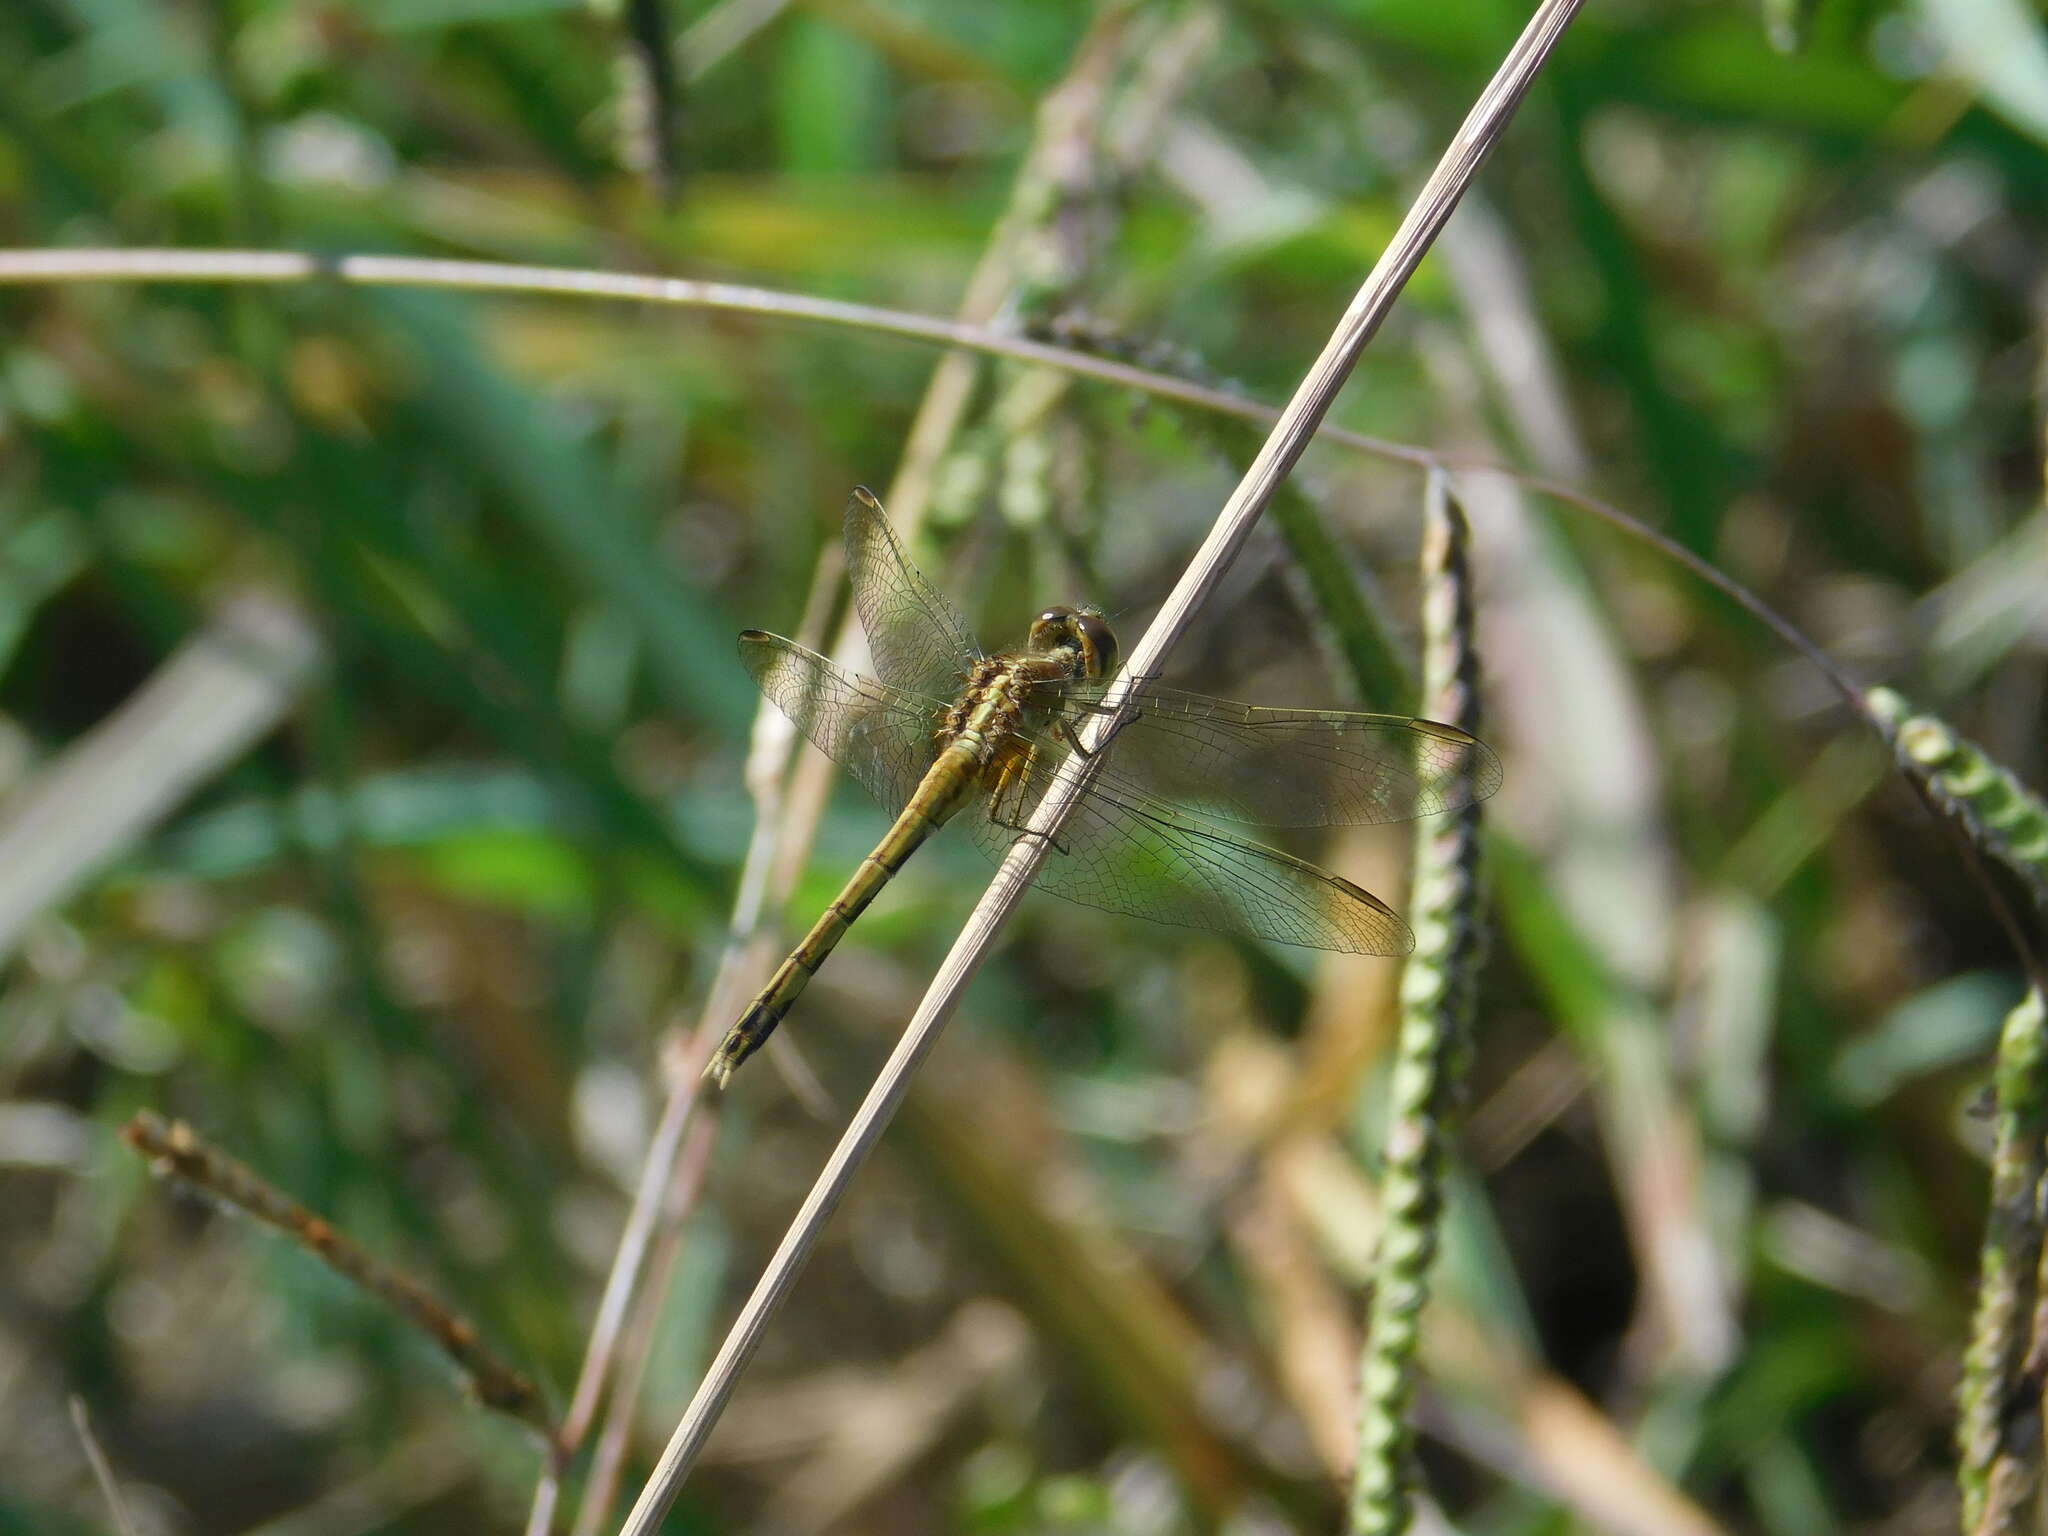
column 1438, row 996
column 1997, row 1442
column 2002, row 816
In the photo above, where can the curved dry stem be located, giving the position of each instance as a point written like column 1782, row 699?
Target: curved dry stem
column 89, row 265
column 278, row 267
column 787, row 807
column 175, row 1151
column 765, row 876
column 657, row 1176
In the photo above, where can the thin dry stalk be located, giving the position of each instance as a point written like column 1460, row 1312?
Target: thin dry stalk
column 102, row 1468
column 1067, row 121
column 608, row 1461
column 762, row 879
column 275, row 268
column 1289, row 438
column 272, row 267
column 722, row 31
column 658, row 1173
column 176, row 1151
column 655, row 1178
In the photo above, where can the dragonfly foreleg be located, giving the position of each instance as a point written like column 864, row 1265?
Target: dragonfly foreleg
column 1006, row 800
column 1065, row 726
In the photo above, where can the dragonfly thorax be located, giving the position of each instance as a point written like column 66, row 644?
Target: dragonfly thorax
column 1081, row 632
column 1002, row 693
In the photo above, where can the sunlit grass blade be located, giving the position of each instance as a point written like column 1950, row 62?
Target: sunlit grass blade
column 224, row 689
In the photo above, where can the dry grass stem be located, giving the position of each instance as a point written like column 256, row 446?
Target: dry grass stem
column 764, row 878
column 658, row 1173
column 1290, row 436
column 175, row 1150
column 102, row 1468
column 786, row 813
column 615, row 1439
column 906, row 495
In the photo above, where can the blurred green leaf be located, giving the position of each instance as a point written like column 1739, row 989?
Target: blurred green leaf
column 829, row 99
column 1950, row 1023
column 555, row 485
column 37, row 557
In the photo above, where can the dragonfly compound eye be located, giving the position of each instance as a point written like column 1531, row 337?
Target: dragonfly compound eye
column 1098, row 643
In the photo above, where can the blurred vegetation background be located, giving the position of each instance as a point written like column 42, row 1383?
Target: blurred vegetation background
column 371, row 746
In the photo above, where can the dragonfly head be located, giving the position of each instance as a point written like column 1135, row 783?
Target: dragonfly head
column 1081, row 631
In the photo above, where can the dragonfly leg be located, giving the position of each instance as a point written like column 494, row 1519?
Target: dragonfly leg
column 1087, row 706
column 1065, row 728
column 1067, row 733
column 1010, row 786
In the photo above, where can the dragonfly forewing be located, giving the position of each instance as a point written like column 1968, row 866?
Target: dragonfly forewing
column 919, row 640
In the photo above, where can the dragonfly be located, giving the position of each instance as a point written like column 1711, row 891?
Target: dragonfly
column 950, row 732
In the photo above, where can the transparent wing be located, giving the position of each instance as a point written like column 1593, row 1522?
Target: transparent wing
column 920, row 641
column 882, row 736
column 1126, row 852
column 1291, row 767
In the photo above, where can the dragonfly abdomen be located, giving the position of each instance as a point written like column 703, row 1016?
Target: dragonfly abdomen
column 946, row 787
